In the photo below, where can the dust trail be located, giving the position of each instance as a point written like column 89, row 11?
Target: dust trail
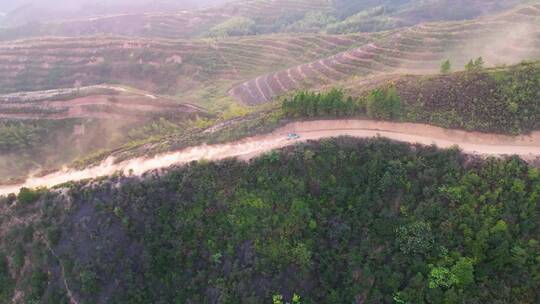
column 245, row 149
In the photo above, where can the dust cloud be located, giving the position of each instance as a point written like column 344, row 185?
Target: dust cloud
column 509, row 44
column 469, row 142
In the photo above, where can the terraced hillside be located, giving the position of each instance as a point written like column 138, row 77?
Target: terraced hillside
column 45, row 129
column 89, row 102
column 504, row 39
column 180, row 24
column 266, row 16
column 216, row 74
column 164, row 66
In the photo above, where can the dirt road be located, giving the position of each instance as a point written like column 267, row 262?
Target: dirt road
column 469, row 142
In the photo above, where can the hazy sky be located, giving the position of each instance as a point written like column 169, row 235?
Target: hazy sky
column 8, row 5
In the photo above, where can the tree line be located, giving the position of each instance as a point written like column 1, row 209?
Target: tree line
column 381, row 103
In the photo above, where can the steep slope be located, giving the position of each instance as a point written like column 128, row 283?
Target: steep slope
column 505, row 39
column 502, row 100
column 45, row 130
column 166, row 66
column 192, row 68
column 342, row 221
column 194, row 71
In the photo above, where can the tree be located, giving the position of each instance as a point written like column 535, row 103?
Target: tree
column 6, row 281
column 415, row 238
column 383, row 104
column 89, row 281
column 446, row 67
column 28, row 196
column 479, row 63
column 461, row 275
column 277, row 299
column 475, row 65
column 312, row 104
column 469, row 66
column 441, row 277
column 463, row 271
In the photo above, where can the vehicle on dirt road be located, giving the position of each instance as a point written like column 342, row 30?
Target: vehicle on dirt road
column 292, row 136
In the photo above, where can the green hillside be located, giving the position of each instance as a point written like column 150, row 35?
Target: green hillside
column 337, row 221
column 500, row 100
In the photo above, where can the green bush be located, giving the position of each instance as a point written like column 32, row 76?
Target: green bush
column 312, row 22
column 89, row 281
column 475, row 65
column 446, row 67
column 28, row 196
column 36, row 286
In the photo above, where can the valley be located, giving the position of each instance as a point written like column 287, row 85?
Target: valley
column 269, row 151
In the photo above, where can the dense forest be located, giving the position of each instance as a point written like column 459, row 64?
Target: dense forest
column 335, row 221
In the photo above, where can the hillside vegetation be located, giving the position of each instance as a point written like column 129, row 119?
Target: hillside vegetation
column 339, row 221
column 163, row 66
column 168, row 20
column 501, row 100
column 392, row 97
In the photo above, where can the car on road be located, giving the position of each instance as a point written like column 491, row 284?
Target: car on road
column 292, row 136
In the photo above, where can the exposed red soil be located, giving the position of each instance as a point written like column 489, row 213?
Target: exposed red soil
column 96, row 106
column 159, row 65
column 418, row 49
column 526, row 146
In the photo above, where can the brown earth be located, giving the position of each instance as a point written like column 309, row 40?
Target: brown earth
column 525, row 146
column 99, row 106
column 499, row 39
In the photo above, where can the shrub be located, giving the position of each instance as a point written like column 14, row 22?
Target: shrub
column 313, row 22
column 475, row 65
column 89, row 281
column 28, row 196
column 38, row 284
column 446, row 67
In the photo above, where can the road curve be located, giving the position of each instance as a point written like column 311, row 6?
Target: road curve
column 526, row 146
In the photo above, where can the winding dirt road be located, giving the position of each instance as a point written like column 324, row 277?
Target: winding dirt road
column 526, row 146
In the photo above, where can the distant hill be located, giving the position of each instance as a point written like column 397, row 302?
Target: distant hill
column 19, row 13
column 506, row 38
column 267, row 16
